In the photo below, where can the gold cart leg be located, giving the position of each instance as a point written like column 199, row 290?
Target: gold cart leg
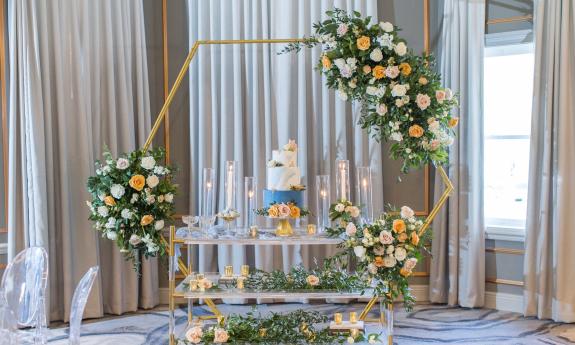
column 368, row 306
column 172, row 284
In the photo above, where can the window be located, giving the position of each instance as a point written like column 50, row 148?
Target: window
column 508, row 92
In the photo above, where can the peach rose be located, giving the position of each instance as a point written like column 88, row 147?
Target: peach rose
column 405, row 272
column 378, row 72
column 194, row 335
column 422, row 81
column 402, row 237
column 415, row 131
column 378, row 261
column 440, row 96
column 414, row 238
column 366, row 69
column 363, row 43
column 284, row 210
column 221, row 336
column 294, row 211
column 326, row 62
column 138, row 182
column 405, row 68
column 109, row 201
column 398, row 226
column 453, row 122
column 312, row 280
column 147, row 219
column 273, row 211
column 423, row 101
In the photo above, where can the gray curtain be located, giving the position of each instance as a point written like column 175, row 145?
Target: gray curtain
column 457, row 273
column 78, row 80
column 245, row 101
column 549, row 257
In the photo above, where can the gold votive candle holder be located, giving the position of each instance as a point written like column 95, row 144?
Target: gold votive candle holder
column 240, row 283
column 338, row 318
column 263, row 332
column 228, row 271
column 245, row 270
column 194, row 284
column 353, row 317
column 254, row 231
column 311, row 229
column 354, row 332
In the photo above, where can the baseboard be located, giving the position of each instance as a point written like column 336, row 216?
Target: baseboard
column 504, row 301
column 420, row 292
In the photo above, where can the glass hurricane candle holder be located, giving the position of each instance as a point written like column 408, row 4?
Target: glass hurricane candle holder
column 364, row 194
column 338, row 318
column 245, row 270
column 342, row 180
column 353, row 317
column 228, row 271
column 311, row 229
column 251, row 200
column 322, row 201
column 231, row 184
column 208, row 188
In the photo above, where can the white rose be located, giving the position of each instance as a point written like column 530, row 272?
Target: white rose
column 152, row 181
column 379, row 250
column 112, row 235
column 342, row 29
column 103, row 211
column 386, row 26
column 389, row 249
column 134, row 198
column 385, row 237
column 406, row 212
column 340, row 207
column 371, row 90
column 434, row 126
column 117, row 191
column 150, row 199
column 159, row 225
column 111, row 223
column 135, row 240
column 342, row 95
column 339, row 63
column 376, row 55
column 400, row 254
column 350, row 229
column 122, row 163
column 381, row 109
column 354, row 211
column 386, row 40
column 346, row 71
column 169, row 197
column 126, row 214
column 148, row 162
column 392, row 72
column 372, row 268
column 399, row 90
column 359, row 251
column 396, row 136
column 389, row 261
column 448, row 93
column 400, row 49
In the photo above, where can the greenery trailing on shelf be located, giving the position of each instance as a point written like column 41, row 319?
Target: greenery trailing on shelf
column 296, row 327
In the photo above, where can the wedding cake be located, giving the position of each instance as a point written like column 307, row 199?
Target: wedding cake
column 283, row 183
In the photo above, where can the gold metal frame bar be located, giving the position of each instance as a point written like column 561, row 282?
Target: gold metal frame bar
column 511, row 251
column 524, row 18
column 504, row 281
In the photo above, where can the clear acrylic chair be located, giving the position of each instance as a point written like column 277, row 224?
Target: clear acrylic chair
column 24, row 288
column 79, row 303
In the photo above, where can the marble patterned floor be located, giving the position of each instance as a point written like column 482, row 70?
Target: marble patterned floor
column 426, row 324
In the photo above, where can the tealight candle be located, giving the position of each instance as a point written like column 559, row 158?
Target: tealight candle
column 245, row 270
column 353, row 317
column 240, row 283
column 338, row 318
column 228, row 271
column 254, row 231
column 311, row 229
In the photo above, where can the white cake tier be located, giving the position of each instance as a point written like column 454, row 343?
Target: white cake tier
column 287, row 158
column 282, row 178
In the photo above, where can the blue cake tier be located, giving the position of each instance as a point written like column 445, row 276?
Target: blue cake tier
column 283, row 196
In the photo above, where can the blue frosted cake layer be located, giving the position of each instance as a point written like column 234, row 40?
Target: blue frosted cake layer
column 283, row 196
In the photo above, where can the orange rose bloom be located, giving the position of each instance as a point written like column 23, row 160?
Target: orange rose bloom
column 378, row 261
column 138, row 182
column 405, row 68
column 398, row 226
column 363, row 43
column 404, row 272
column 453, row 122
column 147, row 219
column 378, row 72
column 273, row 211
column 402, row 237
column 326, row 62
column 422, row 80
column 415, row 131
column 366, row 69
column 109, row 201
column 294, row 211
column 414, row 238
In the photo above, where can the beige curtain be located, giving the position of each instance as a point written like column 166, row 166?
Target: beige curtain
column 550, row 259
column 246, row 101
column 78, row 81
column 457, row 274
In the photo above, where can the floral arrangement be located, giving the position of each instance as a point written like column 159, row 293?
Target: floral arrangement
column 297, row 187
column 296, row 327
column 132, row 199
column 282, row 210
column 343, row 211
column 387, row 251
column 401, row 96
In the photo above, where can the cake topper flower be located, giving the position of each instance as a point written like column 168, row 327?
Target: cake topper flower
column 290, row 146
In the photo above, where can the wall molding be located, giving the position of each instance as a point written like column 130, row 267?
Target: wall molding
column 494, row 280
column 504, row 301
column 501, row 233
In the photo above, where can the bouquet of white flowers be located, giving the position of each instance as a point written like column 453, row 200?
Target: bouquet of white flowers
column 132, row 199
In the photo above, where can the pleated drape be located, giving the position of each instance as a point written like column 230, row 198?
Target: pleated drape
column 78, row 81
column 246, row 100
column 549, row 257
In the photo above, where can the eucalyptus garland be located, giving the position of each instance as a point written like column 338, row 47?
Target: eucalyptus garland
column 297, row 327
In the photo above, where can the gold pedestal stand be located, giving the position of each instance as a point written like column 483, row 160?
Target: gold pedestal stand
column 284, row 228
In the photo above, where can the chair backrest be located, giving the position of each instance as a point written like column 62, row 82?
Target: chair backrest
column 79, row 303
column 24, row 283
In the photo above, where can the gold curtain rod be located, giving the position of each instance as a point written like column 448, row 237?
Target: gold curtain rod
column 510, row 19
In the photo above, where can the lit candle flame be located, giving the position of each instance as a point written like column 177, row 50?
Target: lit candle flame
column 250, row 194
column 209, row 184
